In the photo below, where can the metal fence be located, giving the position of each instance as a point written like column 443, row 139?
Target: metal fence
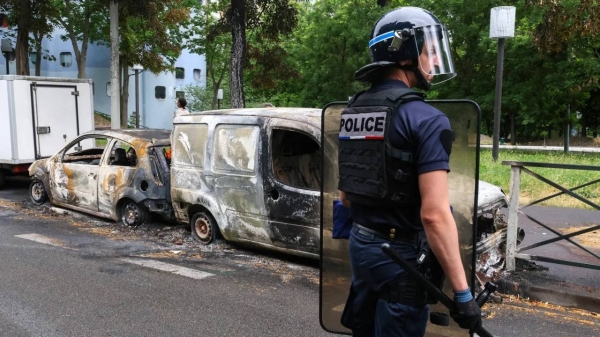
column 514, row 210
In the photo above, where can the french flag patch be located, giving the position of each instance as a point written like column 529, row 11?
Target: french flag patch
column 368, row 126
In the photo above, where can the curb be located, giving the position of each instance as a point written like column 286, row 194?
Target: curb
column 550, row 295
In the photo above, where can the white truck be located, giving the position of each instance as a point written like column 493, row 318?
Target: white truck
column 38, row 115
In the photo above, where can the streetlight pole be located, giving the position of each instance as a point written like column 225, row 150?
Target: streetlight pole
column 502, row 25
column 498, row 99
column 137, row 68
column 6, row 47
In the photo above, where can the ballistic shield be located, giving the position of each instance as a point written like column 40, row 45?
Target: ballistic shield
column 463, row 180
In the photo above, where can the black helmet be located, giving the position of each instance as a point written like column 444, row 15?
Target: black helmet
column 400, row 35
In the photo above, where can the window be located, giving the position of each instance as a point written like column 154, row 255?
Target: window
column 122, row 154
column 235, row 148
column 160, row 92
column 66, row 59
column 179, row 73
column 180, row 94
column 189, row 145
column 108, row 89
column 296, row 159
column 86, row 151
column 33, row 57
column 197, row 75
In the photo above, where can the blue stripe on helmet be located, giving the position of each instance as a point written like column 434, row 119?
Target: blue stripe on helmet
column 381, row 37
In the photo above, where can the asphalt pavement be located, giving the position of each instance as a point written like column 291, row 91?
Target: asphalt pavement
column 73, row 275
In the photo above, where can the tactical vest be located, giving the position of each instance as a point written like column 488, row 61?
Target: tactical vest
column 371, row 171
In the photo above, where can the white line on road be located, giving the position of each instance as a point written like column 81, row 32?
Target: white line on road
column 43, row 239
column 170, row 268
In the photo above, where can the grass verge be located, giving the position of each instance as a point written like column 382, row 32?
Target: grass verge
column 532, row 188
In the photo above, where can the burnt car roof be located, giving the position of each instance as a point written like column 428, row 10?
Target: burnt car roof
column 308, row 115
column 143, row 137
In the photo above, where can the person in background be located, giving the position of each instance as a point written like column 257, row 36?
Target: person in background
column 181, row 107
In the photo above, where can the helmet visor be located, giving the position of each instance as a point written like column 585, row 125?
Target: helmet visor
column 435, row 59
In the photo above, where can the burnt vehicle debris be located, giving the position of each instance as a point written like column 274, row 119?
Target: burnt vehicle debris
column 252, row 176
column 118, row 174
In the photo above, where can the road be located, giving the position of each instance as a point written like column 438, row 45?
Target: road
column 66, row 275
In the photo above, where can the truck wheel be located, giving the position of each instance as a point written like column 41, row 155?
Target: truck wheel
column 37, row 192
column 132, row 213
column 204, row 227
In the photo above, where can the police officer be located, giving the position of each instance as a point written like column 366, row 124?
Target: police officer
column 393, row 166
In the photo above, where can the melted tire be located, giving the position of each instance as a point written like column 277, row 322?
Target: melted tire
column 132, row 213
column 204, row 228
column 37, row 192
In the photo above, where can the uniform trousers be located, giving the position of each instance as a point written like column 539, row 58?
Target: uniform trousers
column 371, row 270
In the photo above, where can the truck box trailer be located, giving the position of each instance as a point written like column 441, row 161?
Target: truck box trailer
column 38, row 116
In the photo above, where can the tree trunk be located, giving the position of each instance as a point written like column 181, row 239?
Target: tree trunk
column 583, row 123
column 238, row 51
column 22, row 51
column 125, row 95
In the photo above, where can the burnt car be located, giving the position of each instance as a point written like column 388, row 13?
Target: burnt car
column 253, row 176
column 116, row 174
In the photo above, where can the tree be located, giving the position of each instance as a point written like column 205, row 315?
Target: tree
column 328, row 46
column 29, row 16
column 82, row 20
column 269, row 19
column 150, row 36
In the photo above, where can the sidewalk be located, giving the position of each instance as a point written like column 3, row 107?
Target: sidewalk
column 554, row 283
column 574, row 149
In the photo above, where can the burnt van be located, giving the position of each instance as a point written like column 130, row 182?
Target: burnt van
column 249, row 176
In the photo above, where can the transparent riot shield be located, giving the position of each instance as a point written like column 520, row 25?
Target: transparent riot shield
column 463, row 179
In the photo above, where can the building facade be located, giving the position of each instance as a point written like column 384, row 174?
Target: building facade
column 157, row 92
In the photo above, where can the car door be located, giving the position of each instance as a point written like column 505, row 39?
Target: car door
column 235, row 174
column 292, row 184
column 74, row 173
column 116, row 172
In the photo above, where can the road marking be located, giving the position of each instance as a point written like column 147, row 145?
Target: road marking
column 43, row 239
column 170, row 268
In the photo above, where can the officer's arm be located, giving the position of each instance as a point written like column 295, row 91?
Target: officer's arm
column 343, row 199
column 440, row 227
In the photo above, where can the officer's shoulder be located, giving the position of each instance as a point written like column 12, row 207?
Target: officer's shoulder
column 421, row 110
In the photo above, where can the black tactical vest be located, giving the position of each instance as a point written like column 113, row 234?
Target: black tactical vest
column 371, row 171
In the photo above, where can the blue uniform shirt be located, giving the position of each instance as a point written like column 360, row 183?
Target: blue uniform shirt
column 417, row 123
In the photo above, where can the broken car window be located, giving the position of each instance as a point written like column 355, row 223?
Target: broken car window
column 86, row 151
column 295, row 158
column 123, row 154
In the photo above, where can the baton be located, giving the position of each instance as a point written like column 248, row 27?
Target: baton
column 430, row 287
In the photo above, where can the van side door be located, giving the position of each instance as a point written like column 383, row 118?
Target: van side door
column 292, row 184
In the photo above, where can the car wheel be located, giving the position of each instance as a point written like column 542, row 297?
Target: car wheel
column 37, row 192
column 204, row 227
column 132, row 213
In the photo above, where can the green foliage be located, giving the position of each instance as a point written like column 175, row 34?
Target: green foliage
column 328, row 46
column 532, row 188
